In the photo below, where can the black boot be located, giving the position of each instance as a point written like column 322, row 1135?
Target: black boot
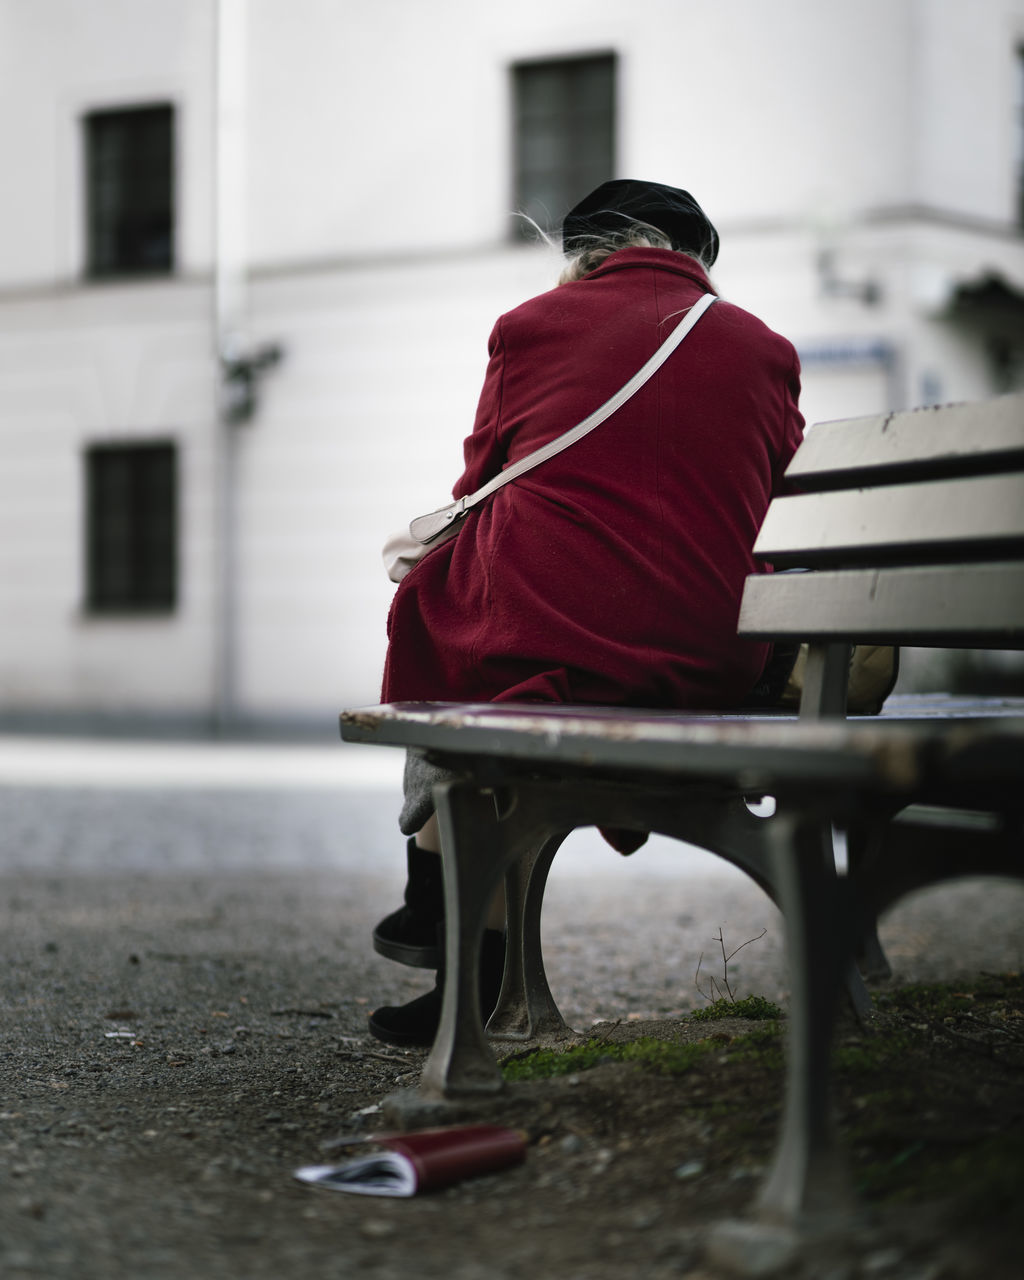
column 416, row 1023
column 409, row 935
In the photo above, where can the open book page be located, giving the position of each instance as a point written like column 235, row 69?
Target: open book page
column 385, row 1173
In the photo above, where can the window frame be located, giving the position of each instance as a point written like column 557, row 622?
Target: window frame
column 577, row 175
column 100, row 261
column 132, row 570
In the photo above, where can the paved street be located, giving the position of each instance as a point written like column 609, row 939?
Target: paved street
column 326, row 814
column 617, row 929
column 184, row 938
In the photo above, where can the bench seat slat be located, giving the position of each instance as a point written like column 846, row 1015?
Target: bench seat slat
column 976, row 605
column 914, row 444
column 911, row 523
column 744, row 751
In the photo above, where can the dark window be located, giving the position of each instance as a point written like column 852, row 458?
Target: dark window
column 564, row 134
column 131, row 527
column 130, row 185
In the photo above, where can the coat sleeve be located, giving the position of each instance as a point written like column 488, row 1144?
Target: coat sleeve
column 483, row 451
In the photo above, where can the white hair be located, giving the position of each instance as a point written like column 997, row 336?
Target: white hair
column 591, row 250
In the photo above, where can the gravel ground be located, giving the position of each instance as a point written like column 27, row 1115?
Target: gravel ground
column 187, row 976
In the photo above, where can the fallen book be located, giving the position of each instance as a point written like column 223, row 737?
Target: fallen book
column 405, row 1164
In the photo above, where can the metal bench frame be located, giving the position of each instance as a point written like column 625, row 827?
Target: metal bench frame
column 888, row 529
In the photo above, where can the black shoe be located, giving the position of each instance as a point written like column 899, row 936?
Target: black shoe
column 416, row 1023
column 409, row 935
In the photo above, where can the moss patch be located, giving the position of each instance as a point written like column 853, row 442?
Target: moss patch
column 754, row 1008
column 667, row 1057
column 656, row 1055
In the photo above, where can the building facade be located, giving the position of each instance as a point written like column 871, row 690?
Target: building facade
column 251, row 251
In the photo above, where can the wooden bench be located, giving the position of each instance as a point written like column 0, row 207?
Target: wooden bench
column 908, row 529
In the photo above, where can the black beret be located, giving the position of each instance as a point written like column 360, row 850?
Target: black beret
column 615, row 204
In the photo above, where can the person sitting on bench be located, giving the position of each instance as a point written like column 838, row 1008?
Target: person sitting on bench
column 612, row 573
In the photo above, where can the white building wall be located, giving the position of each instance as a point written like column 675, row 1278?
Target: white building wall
column 797, row 112
column 61, row 58
column 378, row 209
column 967, row 105
column 99, row 366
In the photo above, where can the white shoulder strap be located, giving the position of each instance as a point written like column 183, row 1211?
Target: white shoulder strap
column 423, row 528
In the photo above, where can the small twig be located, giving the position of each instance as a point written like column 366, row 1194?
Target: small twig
column 757, row 938
column 713, row 984
column 725, row 965
column 614, row 1027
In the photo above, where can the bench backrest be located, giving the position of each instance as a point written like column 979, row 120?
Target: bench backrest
column 909, row 528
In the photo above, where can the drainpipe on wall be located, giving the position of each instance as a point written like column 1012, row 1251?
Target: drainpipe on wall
column 228, row 321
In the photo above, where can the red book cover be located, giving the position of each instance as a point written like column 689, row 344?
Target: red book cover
column 405, row 1164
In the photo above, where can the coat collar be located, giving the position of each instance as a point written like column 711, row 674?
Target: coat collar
column 662, row 259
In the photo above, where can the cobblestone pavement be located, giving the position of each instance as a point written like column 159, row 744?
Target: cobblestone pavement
column 229, row 890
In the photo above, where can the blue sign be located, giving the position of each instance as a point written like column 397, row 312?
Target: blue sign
column 847, row 351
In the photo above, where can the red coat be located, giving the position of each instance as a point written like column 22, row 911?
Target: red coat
column 612, row 573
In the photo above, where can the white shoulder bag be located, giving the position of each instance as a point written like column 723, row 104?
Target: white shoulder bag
column 405, row 549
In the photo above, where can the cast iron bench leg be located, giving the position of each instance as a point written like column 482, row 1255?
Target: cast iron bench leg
column 476, row 851
column 807, row 1183
column 526, row 1007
